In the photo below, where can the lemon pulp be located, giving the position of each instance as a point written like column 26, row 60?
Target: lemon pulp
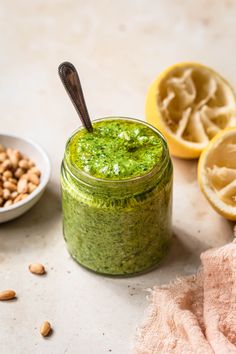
column 190, row 103
column 217, row 173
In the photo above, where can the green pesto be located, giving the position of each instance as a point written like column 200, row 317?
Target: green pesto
column 116, row 149
column 117, row 227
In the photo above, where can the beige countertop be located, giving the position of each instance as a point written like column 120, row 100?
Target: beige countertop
column 118, row 47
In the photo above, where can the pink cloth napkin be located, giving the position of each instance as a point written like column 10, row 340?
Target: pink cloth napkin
column 195, row 314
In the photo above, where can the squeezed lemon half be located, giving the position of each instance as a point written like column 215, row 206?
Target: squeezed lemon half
column 190, row 103
column 217, row 173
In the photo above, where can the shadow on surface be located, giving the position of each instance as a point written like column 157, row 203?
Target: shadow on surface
column 185, row 170
column 133, row 290
column 191, row 242
column 33, row 229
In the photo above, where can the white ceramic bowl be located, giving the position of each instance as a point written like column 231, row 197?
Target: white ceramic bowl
column 38, row 155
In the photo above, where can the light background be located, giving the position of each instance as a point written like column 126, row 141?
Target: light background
column 118, row 48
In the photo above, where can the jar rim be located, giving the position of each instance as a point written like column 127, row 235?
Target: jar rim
column 89, row 179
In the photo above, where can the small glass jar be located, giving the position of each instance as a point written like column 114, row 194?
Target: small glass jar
column 118, row 227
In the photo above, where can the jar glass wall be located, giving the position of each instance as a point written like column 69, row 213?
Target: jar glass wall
column 117, row 227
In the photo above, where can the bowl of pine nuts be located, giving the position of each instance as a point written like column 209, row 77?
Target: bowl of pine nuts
column 24, row 174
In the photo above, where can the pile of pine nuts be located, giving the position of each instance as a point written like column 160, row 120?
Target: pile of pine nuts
column 18, row 176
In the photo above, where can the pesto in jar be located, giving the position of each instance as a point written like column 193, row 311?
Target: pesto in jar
column 116, row 196
column 116, row 149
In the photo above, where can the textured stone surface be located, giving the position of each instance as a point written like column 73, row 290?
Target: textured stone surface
column 118, row 47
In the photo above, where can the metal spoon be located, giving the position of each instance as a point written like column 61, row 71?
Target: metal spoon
column 71, row 82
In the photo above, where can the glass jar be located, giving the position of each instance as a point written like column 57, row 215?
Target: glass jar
column 118, row 227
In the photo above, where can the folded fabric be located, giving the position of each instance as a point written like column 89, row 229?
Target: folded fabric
column 195, row 314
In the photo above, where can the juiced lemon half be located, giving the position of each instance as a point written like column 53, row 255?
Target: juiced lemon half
column 190, row 103
column 217, row 173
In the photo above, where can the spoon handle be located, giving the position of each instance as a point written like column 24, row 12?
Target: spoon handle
column 71, row 82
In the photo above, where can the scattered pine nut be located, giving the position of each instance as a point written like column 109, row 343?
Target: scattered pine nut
column 45, row 329
column 37, row 268
column 7, row 295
